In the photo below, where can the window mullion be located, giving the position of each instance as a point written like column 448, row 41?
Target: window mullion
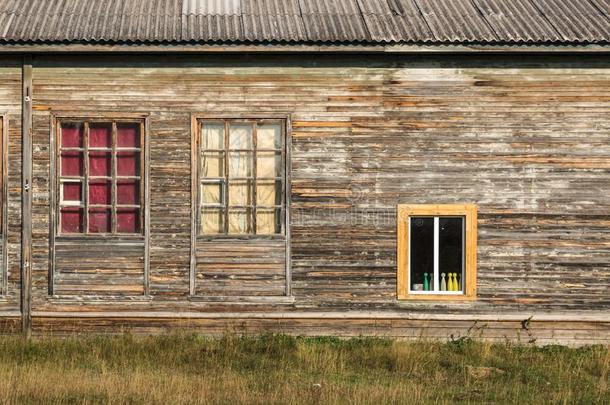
column 86, row 179
column 436, row 254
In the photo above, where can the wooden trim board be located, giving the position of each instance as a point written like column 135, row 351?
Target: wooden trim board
column 469, row 212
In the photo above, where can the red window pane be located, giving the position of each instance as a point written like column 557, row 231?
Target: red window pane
column 71, row 220
column 128, row 135
column 100, row 221
column 128, row 192
column 100, row 193
column 72, row 135
column 71, row 164
column 100, row 136
column 72, row 191
column 128, row 221
column 128, row 164
column 99, row 164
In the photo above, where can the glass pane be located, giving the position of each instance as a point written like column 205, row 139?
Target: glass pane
column 99, row 164
column 240, row 136
column 71, row 220
column 100, row 136
column 450, row 240
column 211, row 193
column 128, row 220
column 100, row 221
column 213, row 164
column 128, row 163
column 72, row 135
column 72, row 192
column 213, row 136
column 100, row 193
column 421, row 250
column 240, row 221
column 268, row 164
column 128, row 192
column 268, row 221
column 240, row 164
column 128, row 135
column 240, row 193
column 71, row 164
column 268, row 192
column 212, row 221
column 269, row 136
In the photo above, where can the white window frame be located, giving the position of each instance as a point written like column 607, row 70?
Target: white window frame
column 435, row 275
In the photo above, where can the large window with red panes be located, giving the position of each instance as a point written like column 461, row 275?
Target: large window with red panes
column 100, row 166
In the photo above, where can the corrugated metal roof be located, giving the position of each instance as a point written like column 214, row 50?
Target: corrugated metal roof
column 306, row 21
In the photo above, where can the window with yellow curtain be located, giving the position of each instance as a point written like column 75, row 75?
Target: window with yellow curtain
column 241, row 177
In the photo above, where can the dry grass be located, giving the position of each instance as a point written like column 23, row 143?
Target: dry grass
column 185, row 369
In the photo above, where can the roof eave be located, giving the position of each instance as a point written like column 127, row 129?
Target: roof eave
column 287, row 48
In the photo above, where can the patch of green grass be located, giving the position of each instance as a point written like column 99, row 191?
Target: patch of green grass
column 188, row 368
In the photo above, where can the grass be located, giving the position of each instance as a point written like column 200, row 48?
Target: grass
column 184, row 369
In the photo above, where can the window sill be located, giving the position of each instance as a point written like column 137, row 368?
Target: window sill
column 207, row 238
column 436, row 297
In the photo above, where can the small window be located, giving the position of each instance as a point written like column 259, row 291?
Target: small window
column 241, row 177
column 437, row 251
column 100, row 165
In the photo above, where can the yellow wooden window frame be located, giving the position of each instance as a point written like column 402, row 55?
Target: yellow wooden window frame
column 469, row 212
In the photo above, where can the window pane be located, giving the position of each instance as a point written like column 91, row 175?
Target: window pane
column 211, row 193
column 267, row 221
column 128, row 220
column 213, row 164
column 128, row 135
column 212, row 221
column 100, row 221
column 268, row 164
column 71, row 220
column 72, row 192
column 99, row 164
column 128, row 192
column 128, row 163
column 268, row 192
column 240, row 221
column 72, row 135
column 240, row 136
column 71, row 164
column 421, row 249
column 268, row 136
column 100, row 135
column 213, row 136
column 450, row 240
column 240, row 193
column 240, row 164
column 100, row 193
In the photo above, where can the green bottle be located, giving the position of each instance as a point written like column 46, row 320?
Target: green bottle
column 426, row 282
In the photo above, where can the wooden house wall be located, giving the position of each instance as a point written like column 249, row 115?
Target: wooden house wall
column 10, row 106
column 527, row 140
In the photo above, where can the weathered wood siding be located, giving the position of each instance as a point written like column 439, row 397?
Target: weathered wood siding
column 241, row 268
column 527, row 140
column 10, row 105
